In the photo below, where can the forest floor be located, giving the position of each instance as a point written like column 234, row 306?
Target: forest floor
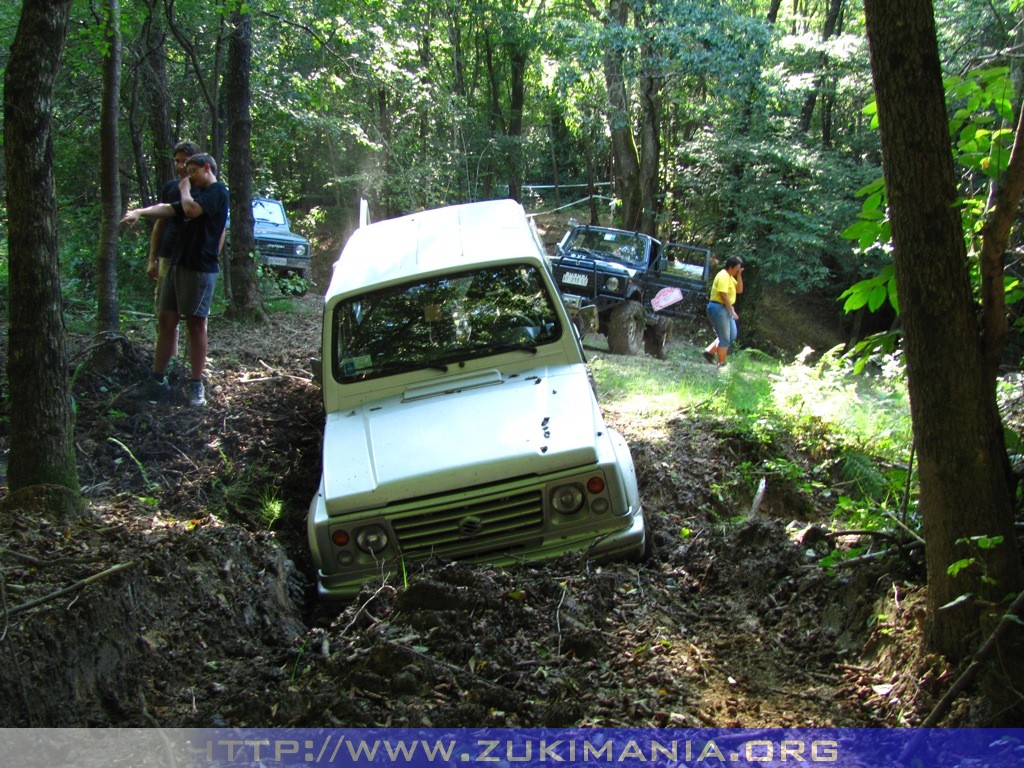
column 190, row 595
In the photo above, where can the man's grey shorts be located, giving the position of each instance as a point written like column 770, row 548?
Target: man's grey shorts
column 187, row 292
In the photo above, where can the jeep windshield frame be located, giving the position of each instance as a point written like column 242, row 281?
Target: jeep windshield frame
column 432, row 322
column 269, row 212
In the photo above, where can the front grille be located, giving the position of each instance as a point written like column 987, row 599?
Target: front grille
column 272, row 248
column 575, row 280
column 469, row 527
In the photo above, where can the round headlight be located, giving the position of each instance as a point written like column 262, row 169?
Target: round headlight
column 300, row 250
column 612, row 284
column 372, row 539
column 567, row 499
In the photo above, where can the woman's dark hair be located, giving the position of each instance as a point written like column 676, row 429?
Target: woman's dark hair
column 733, row 261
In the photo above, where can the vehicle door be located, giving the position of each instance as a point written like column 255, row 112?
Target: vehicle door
column 678, row 279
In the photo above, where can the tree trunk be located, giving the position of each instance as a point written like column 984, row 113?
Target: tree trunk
column 517, row 100
column 829, row 29
column 624, row 149
column 41, row 447
column 245, row 295
column 650, row 145
column 105, row 354
column 966, row 490
column 154, row 69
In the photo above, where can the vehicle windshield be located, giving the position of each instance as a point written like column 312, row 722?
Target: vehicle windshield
column 442, row 320
column 620, row 246
column 268, row 211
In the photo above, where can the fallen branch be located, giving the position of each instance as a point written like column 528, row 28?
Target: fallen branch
column 457, row 672
column 859, row 532
column 35, row 561
column 72, row 588
column 913, row 534
column 363, row 609
column 875, row 556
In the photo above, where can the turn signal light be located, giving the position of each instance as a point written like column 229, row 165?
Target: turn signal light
column 339, row 537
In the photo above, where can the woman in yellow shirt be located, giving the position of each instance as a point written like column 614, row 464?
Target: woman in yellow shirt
column 721, row 310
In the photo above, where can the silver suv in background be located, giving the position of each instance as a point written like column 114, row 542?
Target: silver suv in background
column 280, row 249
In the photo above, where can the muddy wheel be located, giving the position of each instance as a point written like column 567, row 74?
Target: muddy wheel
column 626, row 329
column 657, row 337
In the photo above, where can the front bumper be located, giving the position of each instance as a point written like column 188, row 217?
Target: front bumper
column 627, row 543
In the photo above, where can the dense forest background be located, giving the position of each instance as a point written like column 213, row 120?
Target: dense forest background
column 741, row 125
column 738, row 124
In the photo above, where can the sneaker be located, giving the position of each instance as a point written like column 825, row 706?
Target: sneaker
column 709, row 357
column 195, row 393
column 156, row 389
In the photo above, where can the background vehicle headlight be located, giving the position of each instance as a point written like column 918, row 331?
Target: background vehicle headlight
column 372, row 539
column 300, row 250
column 612, row 284
column 567, row 499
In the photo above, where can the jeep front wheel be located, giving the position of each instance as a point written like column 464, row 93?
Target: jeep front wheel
column 657, row 336
column 626, row 329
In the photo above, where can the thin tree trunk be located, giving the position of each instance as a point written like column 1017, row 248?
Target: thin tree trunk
column 104, row 357
column 245, row 295
column 154, row 71
column 624, row 149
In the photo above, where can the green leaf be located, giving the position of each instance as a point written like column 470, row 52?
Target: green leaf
column 987, row 542
column 893, row 298
column 877, row 298
column 958, row 601
column 955, row 568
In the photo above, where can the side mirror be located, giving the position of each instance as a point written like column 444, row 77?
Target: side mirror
column 573, row 222
column 316, row 365
column 586, row 320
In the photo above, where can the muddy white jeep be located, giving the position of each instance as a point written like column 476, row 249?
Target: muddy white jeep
column 461, row 421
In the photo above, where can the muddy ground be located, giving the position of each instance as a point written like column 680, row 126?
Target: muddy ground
column 189, row 602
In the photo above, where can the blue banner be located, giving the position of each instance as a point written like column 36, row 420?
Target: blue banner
column 513, row 748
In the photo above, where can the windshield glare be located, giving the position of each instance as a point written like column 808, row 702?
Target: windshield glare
column 441, row 320
column 269, row 212
column 622, row 246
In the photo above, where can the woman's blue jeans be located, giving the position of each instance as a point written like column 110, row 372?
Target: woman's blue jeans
column 723, row 322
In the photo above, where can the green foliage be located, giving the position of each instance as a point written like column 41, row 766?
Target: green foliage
column 270, row 508
column 981, row 129
column 818, row 429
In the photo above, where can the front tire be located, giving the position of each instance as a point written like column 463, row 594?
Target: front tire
column 657, row 337
column 626, row 329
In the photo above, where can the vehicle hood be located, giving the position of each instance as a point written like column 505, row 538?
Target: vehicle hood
column 270, row 231
column 571, row 258
column 462, row 431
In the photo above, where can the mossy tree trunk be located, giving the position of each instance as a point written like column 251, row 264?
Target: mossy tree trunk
column 41, row 447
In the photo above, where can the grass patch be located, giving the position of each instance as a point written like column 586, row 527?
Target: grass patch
column 820, row 428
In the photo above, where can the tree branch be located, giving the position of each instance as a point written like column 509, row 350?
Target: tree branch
column 69, row 589
column 995, row 235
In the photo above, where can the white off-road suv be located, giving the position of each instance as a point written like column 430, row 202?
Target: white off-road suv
column 461, row 420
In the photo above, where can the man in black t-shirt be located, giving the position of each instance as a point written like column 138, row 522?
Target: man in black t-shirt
column 164, row 236
column 187, row 290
